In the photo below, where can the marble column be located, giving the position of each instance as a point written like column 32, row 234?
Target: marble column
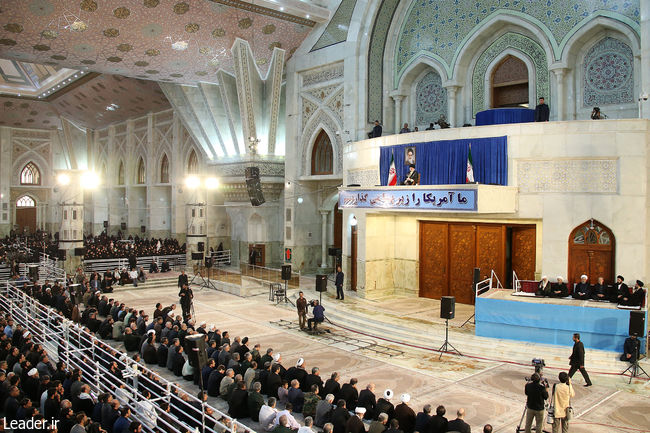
column 645, row 60
column 560, row 100
column 323, row 248
column 398, row 112
column 451, row 105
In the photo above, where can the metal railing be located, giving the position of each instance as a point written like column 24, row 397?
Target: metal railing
column 101, row 265
column 268, row 275
column 101, row 366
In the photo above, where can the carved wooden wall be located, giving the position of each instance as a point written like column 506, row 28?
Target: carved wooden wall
column 523, row 252
column 591, row 252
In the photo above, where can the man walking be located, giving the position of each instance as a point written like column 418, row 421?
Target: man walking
column 537, row 394
column 339, row 283
column 577, row 359
column 301, row 306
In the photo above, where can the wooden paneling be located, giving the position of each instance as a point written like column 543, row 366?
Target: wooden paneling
column 600, row 265
column 433, row 260
column 523, row 252
column 491, row 250
column 591, row 252
column 338, row 227
column 26, row 218
column 462, row 259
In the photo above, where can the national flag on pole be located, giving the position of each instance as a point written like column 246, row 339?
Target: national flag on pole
column 392, row 173
column 470, row 167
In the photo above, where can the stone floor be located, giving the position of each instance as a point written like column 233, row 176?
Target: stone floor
column 490, row 390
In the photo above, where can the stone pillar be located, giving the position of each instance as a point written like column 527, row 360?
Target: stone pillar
column 645, row 60
column 71, row 217
column 451, row 104
column 398, row 112
column 560, row 99
column 323, row 248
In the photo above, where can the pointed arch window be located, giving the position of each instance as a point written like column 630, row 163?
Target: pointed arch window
column 25, row 201
column 141, row 172
column 164, row 169
column 321, row 155
column 30, row 175
column 120, row 174
column 193, row 163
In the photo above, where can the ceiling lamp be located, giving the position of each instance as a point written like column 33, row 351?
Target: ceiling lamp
column 78, row 26
column 180, row 45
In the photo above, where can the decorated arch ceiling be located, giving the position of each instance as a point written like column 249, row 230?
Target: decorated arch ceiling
column 163, row 40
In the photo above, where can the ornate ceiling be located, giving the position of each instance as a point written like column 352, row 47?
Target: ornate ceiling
column 163, row 40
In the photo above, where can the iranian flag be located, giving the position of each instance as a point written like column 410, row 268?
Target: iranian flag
column 392, row 173
column 470, row 167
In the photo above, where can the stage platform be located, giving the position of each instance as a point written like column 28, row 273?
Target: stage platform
column 505, row 314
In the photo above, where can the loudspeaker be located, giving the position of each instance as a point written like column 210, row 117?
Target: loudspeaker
column 252, row 172
column 208, row 262
column 286, row 272
column 79, row 251
column 201, row 246
column 447, row 307
column 195, row 348
column 61, row 255
column 33, row 273
column 637, row 323
column 476, row 279
column 123, row 226
column 336, row 252
column 197, row 256
column 143, row 229
column 321, row 283
column 105, row 224
column 255, row 194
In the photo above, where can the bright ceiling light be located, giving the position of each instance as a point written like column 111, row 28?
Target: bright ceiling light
column 63, row 179
column 89, row 180
column 212, row 183
column 192, row 182
column 180, row 45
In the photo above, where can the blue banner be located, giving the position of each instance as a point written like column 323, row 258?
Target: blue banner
column 410, row 199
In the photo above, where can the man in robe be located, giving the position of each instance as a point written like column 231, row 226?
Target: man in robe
column 582, row 290
column 559, row 289
column 599, row 291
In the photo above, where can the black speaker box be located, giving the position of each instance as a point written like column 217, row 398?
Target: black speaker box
column 255, row 194
column 79, row 251
column 336, row 252
column 143, row 229
column 637, row 323
column 61, row 255
column 252, row 172
column 476, row 278
column 208, row 262
column 195, row 348
column 201, row 246
column 447, row 307
column 197, row 256
column 286, row 272
column 123, row 226
column 321, row 283
column 105, row 224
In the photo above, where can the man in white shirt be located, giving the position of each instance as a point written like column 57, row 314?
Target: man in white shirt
column 293, row 424
column 133, row 275
column 309, row 422
column 267, row 415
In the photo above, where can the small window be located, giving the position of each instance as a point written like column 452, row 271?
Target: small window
column 74, row 214
column 193, row 163
column 65, row 214
column 141, row 172
column 321, row 155
column 25, row 201
column 120, row 174
column 164, row 169
column 200, row 213
column 30, row 175
column 193, row 213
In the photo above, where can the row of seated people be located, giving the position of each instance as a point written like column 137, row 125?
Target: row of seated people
column 240, row 375
column 113, row 247
column 619, row 293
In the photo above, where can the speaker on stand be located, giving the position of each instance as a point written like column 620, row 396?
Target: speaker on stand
column 636, row 329
column 321, row 286
column 476, row 277
column 447, row 311
column 286, row 276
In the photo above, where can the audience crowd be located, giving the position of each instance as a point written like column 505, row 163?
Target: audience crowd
column 13, row 251
column 113, row 247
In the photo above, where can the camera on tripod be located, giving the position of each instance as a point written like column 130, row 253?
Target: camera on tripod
column 312, row 302
column 539, row 365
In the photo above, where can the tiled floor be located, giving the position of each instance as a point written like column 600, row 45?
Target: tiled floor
column 490, row 391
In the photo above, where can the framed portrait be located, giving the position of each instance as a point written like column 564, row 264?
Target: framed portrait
column 409, row 155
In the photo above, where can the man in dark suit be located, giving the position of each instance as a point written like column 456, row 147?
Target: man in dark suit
column 542, row 111
column 182, row 279
column 339, row 283
column 620, row 290
column 438, row 422
column 376, row 130
column 350, row 394
column 577, row 359
column 340, row 417
column 459, row 424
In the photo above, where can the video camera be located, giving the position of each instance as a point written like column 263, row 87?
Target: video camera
column 312, row 302
column 539, row 365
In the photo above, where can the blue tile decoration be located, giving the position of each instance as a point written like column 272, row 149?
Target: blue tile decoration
column 430, row 100
column 337, row 29
column 608, row 74
column 518, row 42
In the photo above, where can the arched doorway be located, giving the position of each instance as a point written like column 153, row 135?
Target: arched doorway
column 509, row 82
column 26, row 214
column 591, row 252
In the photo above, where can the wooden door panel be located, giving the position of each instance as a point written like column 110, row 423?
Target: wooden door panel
column 26, row 217
column 490, row 250
column 338, row 227
column 433, row 260
column 600, row 265
column 579, row 265
column 462, row 257
column 523, row 252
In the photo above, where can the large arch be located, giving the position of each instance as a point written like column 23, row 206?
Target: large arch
column 520, row 55
column 592, row 250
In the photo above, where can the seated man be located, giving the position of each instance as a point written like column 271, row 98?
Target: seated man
column 582, row 289
column 559, row 289
column 153, row 267
column 413, row 178
column 544, row 287
column 620, row 290
column 165, row 266
column 636, row 297
column 319, row 315
column 599, row 292
column 631, row 349
column 141, row 276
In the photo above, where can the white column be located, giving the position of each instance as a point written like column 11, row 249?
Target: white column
column 323, row 248
column 398, row 112
column 560, row 100
column 645, row 60
column 451, row 104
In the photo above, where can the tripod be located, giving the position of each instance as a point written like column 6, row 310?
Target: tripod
column 521, row 422
column 635, row 367
column 447, row 345
column 202, row 282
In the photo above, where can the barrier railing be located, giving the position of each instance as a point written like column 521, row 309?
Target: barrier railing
column 108, row 370
column 268, row 275
column 101, row 265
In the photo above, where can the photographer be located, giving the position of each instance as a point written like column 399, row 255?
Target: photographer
column 537, row 393
column 319, row 313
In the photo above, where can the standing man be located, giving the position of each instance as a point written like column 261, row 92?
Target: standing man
column 301, row 306
column 186, row 296
column 577, row 359
column 182, row 279
column 536, row 394
column 339, row 283
column 541, row 111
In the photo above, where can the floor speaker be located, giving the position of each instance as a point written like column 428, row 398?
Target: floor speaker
column 197, row 256
column 79, row 251
column 637, row 323
column 201, row 246
column 195, row 348
column 321, row 283
column 286, row 272
column 447, row 307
